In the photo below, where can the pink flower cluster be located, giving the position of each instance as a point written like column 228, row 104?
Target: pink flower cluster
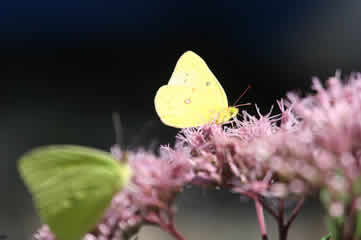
column 314, row 143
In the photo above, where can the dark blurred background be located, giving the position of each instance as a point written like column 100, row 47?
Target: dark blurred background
column 65, row 66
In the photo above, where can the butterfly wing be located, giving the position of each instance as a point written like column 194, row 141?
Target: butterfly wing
column 182, row 106
column 71, row 186
column 191, row 70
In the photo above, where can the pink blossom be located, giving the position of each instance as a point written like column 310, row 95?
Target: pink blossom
column 313, row 144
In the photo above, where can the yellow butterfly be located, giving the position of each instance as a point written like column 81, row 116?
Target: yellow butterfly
column 193, row 96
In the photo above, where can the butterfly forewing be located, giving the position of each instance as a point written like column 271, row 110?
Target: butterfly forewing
column 192, row 71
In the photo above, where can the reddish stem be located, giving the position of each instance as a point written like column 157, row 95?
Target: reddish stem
column 260, row 214
column 268, row 208
column 167, row 226
column 260, row 217
column 282, row 226
column 173, row 231
column 282, row 231
column 295, row 212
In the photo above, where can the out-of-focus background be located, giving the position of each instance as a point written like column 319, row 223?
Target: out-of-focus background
column 66, row 65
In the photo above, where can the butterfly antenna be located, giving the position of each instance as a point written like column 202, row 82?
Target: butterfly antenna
column 243, row 104
column 244, row 92
column 118, row 129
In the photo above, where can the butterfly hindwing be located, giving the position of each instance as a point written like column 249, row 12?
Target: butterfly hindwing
column 182, row 106
column 71, row 186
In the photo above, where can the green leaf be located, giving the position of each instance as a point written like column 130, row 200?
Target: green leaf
column 335, row 226
column 327, row 237
column 72, row 186
column 358, row 225
column 325, row 197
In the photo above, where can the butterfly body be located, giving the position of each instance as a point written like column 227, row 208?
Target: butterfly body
column 193, row 96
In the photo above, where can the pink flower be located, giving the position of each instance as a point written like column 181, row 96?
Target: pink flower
column 313, row 144
column 149, row 198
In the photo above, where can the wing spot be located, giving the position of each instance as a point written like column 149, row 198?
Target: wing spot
column 208, row 83
column 187, row 101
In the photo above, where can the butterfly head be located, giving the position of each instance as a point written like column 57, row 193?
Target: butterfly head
column 227, row 114
column 232, row 112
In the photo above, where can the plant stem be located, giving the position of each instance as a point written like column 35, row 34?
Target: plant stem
column 279, row 216
column 260, row 214
column 295, row 212
column 282, row 231
column 282, row 226
column 272, row 212
column 260, row 217
column 173, row 231
column 167, row 226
